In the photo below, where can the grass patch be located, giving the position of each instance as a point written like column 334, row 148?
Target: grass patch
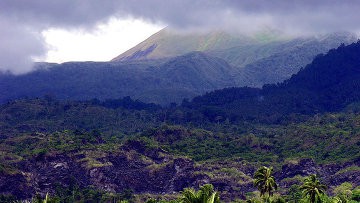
column 348, row 169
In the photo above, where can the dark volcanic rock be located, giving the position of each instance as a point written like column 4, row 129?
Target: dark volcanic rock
column 142, row 177
column 305, row 167
column 15, row 185
column 330, row 174
column 128, row 169
column 57, row 170
column 157, row 173
column 350, row 176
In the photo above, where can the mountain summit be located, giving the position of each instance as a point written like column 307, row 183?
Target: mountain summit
column 170, row 43
column 238, row 50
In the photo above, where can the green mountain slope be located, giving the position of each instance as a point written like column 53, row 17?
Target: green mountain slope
column 263, row 58
column 169, row 43
column 239, row 50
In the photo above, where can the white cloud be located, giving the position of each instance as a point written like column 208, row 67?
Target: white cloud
column 18, row 46
column 22, row 22
column 102, row 43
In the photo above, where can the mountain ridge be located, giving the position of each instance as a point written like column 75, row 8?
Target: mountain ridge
column 329, row 83
column 152, row 81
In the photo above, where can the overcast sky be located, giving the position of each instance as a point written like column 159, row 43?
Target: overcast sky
column 61, row 30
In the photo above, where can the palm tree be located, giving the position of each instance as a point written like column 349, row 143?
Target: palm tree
column 190, row 196
column 312, row 188
column 264, row 181
column 206, row 194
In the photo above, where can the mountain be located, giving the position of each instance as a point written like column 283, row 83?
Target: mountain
column 262, row 58
column 170, row 66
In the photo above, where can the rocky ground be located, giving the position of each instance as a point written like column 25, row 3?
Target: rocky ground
column 154, row 171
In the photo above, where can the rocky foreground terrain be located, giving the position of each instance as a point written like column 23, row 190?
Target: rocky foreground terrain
column 153, row 171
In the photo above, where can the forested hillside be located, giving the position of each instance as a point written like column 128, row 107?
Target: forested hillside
column 329, row 83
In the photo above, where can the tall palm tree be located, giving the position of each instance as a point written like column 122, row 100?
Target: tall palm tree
column 206, row 194
column 312, row 188
column 264, row 181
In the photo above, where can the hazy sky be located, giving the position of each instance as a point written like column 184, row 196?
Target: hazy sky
column 62, row 30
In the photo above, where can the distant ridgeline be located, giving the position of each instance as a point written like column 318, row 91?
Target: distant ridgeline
column 169, row 67
column 329, row 83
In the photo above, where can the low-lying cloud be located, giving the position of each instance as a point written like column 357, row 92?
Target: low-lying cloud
column 22, row 21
